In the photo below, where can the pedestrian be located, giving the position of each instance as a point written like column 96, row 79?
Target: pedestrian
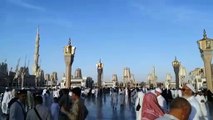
column 138, row 104
column 188, row 93
column 30, row 100
column 5, row 100
column 78, row 110
column 47, row 100
column 93, row 92
column 161, row 99
column 167, row 94
column 39, row 112
column 180, row 109
column 150, row 107
column 121, row 92
column 65, row 102
column 55, row 108
column 202, row 101
column 96, row 92
column 17, row 109
column 114, row 99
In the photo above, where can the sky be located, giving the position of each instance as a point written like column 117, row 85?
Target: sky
column 138, row 34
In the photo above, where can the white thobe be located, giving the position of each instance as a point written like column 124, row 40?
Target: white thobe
column 126, row 95
column 139, row 100
column 96, row 93
column 162, row 103
column 196, row 113
column 6, row 99
column 202, row 101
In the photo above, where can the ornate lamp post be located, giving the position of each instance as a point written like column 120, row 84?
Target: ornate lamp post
column 206, row 47
column 182, row 75
column 100, row 67
column 176, row 66
column 69, row 52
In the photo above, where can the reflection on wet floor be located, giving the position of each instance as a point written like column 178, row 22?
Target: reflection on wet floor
column 101, row 109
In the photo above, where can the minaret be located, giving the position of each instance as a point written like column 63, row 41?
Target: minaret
column 126, row 76
column 154, row 77
column 36, row 54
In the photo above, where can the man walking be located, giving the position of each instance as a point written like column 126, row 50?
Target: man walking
column 17, row 109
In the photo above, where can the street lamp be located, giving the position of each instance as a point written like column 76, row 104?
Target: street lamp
column 182, row 75
column 176, row 66
column 100, row 67
column 69, row 52
column 206, row 47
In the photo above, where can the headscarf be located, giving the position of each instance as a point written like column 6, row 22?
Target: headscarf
column 151, row 109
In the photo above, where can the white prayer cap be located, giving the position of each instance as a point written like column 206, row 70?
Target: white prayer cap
column 158, row 90
column 70, row 93
column 191, row 87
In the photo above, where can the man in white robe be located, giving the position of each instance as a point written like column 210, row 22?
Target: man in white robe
column 139, row 102
column 188, row 93
column 126, row 95
column 161, row 100
column 6, row 99
column 96, row 92
column 202, row 101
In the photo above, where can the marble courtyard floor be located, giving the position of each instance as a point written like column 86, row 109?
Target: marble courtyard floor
column 101, row 109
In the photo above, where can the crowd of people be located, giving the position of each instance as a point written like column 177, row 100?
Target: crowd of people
column 161, row 104
column 43, row 104
column 64, row 104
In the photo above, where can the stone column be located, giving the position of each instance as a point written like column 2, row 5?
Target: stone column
column 206, row 47
column 207, row 58
column 69, row 52
column 176, row 66
column 100, row 75
column 68, row 70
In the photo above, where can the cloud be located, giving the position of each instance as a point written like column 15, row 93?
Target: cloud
column 25, row 4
